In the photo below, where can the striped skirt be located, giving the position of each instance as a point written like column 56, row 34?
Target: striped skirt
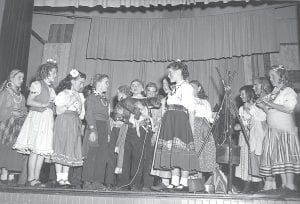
column 281, row 153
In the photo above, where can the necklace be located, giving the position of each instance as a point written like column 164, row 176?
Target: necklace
column 17, row 97
column 177, row 86
column 104, row 103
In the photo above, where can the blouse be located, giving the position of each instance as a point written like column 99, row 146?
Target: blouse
column 182, row 94
column 9, row 102
column 286, row 97
column 203, row 109
column 64, row 98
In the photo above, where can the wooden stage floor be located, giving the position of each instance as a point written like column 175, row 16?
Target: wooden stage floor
column 24, row 195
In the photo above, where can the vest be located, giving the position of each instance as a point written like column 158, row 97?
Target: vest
column 43, row 97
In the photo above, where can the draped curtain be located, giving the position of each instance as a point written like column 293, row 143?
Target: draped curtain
column 122, row 72
column 15, row 36
column 119, row 3
column 198, row 38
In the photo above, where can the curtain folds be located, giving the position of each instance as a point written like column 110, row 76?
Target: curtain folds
column 119, row 3
column 200, row 38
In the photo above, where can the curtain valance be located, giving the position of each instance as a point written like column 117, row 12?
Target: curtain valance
column 119, row 3
column 199, row 38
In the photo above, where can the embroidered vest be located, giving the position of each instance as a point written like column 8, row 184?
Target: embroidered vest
column 43, row 97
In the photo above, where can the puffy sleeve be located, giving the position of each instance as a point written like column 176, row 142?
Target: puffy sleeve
column 35, row 88
column 289, row 98
column 187, row 97
column 5, row 105
column 62, row 99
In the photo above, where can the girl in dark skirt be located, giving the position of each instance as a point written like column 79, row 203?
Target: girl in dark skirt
column 67, row 127
column 12, row 116
column 98, row 167
column 175, row 149
column 204, row 143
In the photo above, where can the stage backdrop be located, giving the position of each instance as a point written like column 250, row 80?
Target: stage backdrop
column 128, row 48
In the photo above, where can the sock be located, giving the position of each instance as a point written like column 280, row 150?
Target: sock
column 175, row 180
column 11, row 177
column 59, row 176
column 184, row 181
column 65, row 176
column 4, row 174
column 166, row 182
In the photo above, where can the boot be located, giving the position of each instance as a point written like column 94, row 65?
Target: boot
column 247, row 187
column 256, row 186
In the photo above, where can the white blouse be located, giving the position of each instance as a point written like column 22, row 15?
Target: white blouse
column 183, row 94
column 203, row 109
column 287, row 97
column 64, row 98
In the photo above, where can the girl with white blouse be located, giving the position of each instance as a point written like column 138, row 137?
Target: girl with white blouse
column 281, row 152
column 204, row 141
column 175, row 149
column 67, row 127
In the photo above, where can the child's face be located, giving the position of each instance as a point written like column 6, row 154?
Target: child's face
column 77, row 84
column 136, row 88
column 52, row 75
column 121, row 95
column 151, row 92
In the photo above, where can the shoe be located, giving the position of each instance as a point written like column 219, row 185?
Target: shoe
column 135, row 188
column 247, row 187
column 39, row 184
column 159, row 187
column 110, row 187
column 146, row 189
column 181, row 188
column 3, row 182
column 99, row 186
column 60, row 184
column 30, row 183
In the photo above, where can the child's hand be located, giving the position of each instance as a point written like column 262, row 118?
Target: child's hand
column 237, row 127
column 92, row 137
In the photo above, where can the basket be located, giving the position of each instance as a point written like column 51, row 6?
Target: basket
column 223, row 154
column 196, row 185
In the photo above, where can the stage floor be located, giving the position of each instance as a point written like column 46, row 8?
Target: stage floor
column 25, row 195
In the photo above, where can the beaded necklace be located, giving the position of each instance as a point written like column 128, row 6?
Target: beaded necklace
column 17, row 96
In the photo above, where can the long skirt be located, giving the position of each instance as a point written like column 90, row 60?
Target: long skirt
column 243, row 170
column 9, row 131
column 67, row 140
column 36, row 134
column 175, row 148
column 281, row 153
column 206, row 144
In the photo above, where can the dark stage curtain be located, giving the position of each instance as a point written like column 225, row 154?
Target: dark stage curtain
column 15, row 36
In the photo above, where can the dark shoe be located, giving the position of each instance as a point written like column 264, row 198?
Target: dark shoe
column 88, row 186
column 30, row 183
column 247, row 187
column 99, row 186
column 159, row 187
column 135, row 188
column 110, row 187
column 146, row 189
column 39, row 184
column 3, row 182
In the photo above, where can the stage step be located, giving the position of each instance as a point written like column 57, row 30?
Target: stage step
column 21, row 195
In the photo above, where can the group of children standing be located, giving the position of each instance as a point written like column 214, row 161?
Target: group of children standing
column 145, row 135
column 268, row 118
